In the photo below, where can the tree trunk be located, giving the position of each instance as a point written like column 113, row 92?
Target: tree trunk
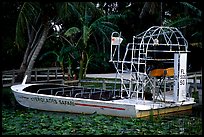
column 36, row 52
column 20, row 74
column 88, row 58
column 81, row 63
column 62, row 68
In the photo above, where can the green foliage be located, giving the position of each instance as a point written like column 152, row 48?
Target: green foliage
column 187, row 16
column 71, row 31
column 195, row 96
column 92, row 26
column 27, row 18
column 34, row 122
column 183, row 21
column 196, row 10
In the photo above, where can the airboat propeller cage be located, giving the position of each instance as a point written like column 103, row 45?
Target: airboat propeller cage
column 159, row 46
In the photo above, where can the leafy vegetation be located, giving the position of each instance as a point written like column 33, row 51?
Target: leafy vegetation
column 27, row 121
column 85, row 26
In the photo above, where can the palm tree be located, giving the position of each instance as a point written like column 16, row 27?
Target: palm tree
column 152, row 9
column 149, row 8
column 63, row 58
column 188, row 18
column 34, row 25
column 32, row 29
column 183, row 20
column 91, row 26
column 36, row 35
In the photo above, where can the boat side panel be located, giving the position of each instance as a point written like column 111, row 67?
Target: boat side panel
column 75, row 105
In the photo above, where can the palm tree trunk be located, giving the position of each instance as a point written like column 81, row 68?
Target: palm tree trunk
column 88, row 58
column 36, row 52
column 63, row 71
column 81, row 63
column 23, row 66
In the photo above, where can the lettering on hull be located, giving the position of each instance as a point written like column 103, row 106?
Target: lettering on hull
column 66, row 102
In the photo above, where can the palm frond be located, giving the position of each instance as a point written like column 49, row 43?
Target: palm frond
column 193, row 8
column 103, row 26
column 182, row 22
column 108, row 21
column 48, row 53
column 66, row 10
column 111, row 18
column 197, row 34
column 27, row 16
column 72, row 31
column 93, row 11
column 107, row 30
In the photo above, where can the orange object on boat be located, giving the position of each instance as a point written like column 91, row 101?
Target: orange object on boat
column 170, row 72
column 162, row 72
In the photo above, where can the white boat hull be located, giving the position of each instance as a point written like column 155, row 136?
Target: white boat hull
column 121, row 107
column 74, row 105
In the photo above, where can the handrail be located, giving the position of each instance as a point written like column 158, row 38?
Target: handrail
column 91, row 93
column 39, row 74
column 50, row 89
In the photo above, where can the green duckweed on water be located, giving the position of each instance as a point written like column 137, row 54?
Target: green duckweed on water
column 26, row 121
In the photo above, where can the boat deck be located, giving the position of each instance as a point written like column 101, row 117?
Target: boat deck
column 74, row 91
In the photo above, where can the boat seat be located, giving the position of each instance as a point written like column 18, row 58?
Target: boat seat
column 162, row 72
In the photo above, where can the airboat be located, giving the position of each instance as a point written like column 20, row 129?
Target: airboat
column 151, row 72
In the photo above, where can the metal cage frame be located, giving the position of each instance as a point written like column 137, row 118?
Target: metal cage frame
column 157, row 44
